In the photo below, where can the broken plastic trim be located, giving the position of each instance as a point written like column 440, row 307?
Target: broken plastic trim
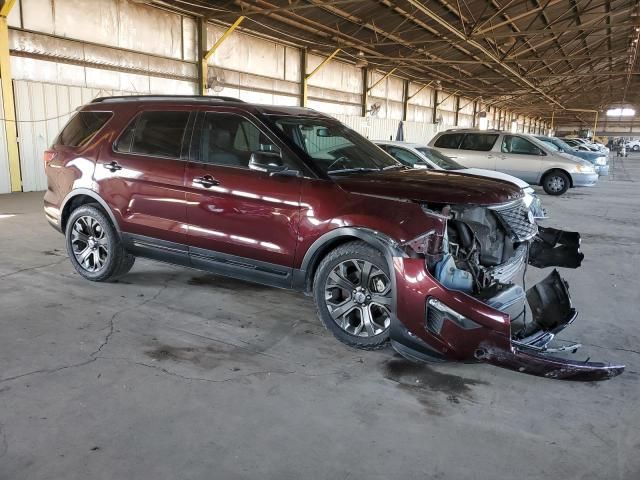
column 555, row 248
column 535, row 363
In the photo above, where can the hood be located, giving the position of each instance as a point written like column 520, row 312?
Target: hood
column 431, row 186
column 494, row 174
column 586, row 155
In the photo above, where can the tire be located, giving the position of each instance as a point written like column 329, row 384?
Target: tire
column 352, row 290
column 93, row 246
column 636, row 148
column 556, row 182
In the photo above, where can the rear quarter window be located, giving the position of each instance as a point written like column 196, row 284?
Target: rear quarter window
column 81, row 128
column 480, row 142
column 449, row 140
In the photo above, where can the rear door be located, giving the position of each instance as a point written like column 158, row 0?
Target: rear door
column 142, row 176
column 475, row 150
column 519, row 157
column 240, row 221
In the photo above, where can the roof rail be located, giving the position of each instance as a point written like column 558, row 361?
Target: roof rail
column 165, row 98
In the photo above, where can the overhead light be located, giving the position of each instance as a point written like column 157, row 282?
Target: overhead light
column 621, row 112
column 361, row 61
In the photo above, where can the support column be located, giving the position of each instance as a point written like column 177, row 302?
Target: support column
column 307, row 76
column 434, row 116
column 456, row 116
column 405, row 99
column 207, row 53
column 9, row 110
column 364, row 101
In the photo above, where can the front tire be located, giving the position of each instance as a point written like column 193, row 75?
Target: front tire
column 353, row 295
column 636, row 148
column 93, row 245
column 556, row 182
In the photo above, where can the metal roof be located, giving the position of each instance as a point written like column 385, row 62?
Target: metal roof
column 530, row 56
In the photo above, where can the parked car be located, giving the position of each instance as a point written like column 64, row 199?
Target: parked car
column 593, row 144
column 633, row 145
column 517, row 154
column 575, row 143
column 417, row 155
column 289, row 197
column 599, row 160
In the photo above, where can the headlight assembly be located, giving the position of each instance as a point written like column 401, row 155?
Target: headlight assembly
column 601, row 161
column 585, row 169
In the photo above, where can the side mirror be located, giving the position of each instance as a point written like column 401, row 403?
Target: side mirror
column 271, row 163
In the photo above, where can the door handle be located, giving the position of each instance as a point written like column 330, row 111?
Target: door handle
column 207, row 181
column 113, row 166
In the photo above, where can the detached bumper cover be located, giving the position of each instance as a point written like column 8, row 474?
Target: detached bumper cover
column 547, row 366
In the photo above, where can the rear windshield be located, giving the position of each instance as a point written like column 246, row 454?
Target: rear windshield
column 82, row 126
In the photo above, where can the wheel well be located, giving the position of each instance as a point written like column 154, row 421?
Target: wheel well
column 74, row 203
column 323, row 251
column 557, row 170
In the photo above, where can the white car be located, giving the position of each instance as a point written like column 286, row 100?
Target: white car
column 632, row 145
column 517, row 154
column 417, row 155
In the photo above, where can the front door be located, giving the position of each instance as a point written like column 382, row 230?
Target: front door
column 142, row 176
column 519, row 157
column 241, row 222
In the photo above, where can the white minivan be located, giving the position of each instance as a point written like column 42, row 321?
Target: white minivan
column 517, row 154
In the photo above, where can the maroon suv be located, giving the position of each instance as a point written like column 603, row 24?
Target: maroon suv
column 289, row 197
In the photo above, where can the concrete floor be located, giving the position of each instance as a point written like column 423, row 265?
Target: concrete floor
column 173, row 373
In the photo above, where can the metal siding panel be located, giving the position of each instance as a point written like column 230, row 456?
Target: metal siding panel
column 5, row 179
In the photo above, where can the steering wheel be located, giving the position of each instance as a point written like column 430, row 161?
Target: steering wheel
column 341, row 158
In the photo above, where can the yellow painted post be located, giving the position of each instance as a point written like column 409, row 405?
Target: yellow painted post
column 307, row 76
column 595, row 127
column 204, row 73
column 7, row 97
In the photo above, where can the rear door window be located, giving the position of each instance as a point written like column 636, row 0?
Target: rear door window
column 481, row 142
column 156, row 133
column 449, row 140
column 81, row 128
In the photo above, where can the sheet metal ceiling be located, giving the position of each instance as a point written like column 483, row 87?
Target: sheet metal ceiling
column 532, row 56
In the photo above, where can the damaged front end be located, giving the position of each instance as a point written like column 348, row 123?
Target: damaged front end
column 467, row 277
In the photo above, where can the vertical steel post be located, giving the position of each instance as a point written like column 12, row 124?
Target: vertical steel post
column 206, row 54
column 307, row 76
column 9, row 110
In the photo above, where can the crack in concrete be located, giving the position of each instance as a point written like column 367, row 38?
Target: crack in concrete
column 33, row 268
column 47, row 371
column 126, row 309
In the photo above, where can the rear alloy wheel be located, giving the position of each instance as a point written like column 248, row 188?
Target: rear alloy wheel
column 93, row 245
column 636, row 148
column 555, row 183
column 353, row 294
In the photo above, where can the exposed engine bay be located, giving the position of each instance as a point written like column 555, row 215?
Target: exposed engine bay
column 484, row 252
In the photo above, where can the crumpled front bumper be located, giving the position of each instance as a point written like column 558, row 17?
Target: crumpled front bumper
column 485, row 334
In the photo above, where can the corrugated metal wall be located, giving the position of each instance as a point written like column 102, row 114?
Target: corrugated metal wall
column 5, row 179
column 65, row 51
column 386, row 129
column 41, row 112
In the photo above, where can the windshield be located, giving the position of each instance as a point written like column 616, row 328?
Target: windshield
column 439, row 159
column 562, row 144
column 333, row 147
column 550, row 143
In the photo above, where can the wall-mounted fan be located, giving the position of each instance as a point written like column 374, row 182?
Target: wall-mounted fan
column 374, row 109
column 215, row 80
